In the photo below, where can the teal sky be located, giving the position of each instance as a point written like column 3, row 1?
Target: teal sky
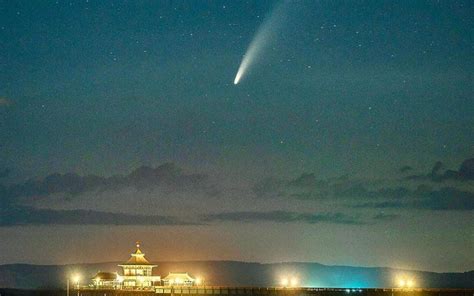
column 350, row 137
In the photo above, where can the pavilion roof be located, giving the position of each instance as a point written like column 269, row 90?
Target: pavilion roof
column 137, row 258
column 183, row 276
column 103, row 275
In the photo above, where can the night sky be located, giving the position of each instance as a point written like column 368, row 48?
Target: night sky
column 349, row 140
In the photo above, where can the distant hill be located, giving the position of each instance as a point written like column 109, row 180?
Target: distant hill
column 234, row 273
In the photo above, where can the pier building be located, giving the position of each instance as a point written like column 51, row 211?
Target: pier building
column 138, row 271
column 137, row 274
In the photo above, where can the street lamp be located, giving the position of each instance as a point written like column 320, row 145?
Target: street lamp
column 198, row 281
column 401, row 283
column 76, row 278
column 119, row 281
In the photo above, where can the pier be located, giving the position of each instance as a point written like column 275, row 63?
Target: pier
column 272, row 291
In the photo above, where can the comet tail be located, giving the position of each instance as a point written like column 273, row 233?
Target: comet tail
column 261, row 39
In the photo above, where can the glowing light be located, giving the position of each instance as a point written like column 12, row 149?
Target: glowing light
column 260, row 40
column 401, row 283
column 198, row 281
column 76, row 278
column 405, row 282
column 294, row 282
column 284, row 282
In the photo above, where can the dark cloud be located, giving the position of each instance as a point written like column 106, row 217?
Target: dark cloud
column 17, row 216
column 283, row 217
column 438, row 166
column 448, row 198
column 422, row 197
column 406, row 169
column 167, row 176
column 307, row 187
column 466, row 170
column 416, row 191
column 306, row 180
column 439, row 174
column 358, row 191
column 269, row 187
column 445, row 199
column 385, row 217
column 13, row 216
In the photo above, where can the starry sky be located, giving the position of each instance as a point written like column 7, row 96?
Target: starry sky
column 350, row 139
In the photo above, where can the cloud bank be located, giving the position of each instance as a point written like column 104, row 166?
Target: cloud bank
column 284, row 217
column 438, row 190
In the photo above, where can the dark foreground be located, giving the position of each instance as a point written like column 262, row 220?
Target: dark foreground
column 226, row 291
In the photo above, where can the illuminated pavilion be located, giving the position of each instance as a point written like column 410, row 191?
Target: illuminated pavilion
column 138, row 271
column 107, row 280
column 137, row 274
column 179, row 279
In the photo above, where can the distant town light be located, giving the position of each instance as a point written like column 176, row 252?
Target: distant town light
column 198, row 281
column 405, row 282
column 289, row 282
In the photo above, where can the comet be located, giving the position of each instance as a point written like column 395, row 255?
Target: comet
column 261, row 39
